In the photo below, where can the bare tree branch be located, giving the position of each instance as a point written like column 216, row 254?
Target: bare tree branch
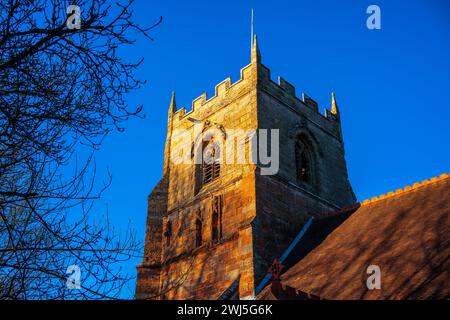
column 62, row 90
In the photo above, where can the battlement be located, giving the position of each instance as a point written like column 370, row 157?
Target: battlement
column 221, row 89
column 305, row 101
column 286, row 89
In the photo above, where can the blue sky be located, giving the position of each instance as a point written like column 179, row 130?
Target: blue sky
column 392, row 85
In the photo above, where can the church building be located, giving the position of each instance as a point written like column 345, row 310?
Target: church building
column 217, row 221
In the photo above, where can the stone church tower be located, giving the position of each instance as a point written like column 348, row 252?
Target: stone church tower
column 217, row 224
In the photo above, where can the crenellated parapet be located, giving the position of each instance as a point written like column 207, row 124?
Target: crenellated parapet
column 287, row 92
column 222, row 89
column 256, row 76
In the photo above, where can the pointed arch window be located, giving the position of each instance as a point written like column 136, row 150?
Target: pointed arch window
column 168, row 233
column 216, row 219
column 210, row 162
column 303, row 161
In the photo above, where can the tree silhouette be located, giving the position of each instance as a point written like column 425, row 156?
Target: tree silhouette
column 61, row 89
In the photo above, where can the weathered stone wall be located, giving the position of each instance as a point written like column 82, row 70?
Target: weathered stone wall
column 148, row 278
column 283, row 203
column 281, row 110
column 233, row 107
column 260, row 214
column 187, row 271
column 282, row 210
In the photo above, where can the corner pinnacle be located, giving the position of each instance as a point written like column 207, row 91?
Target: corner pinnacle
column 255, row 54
column 173, row 104
column 334, row 107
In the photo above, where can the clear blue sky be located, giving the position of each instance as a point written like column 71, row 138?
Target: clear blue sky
column 392, row 85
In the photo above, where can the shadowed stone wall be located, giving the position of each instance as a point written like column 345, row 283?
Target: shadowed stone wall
column 260, row 214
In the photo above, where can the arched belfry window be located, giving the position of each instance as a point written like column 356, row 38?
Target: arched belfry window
column 210, row 162
column 208, row 150
column 304, row 163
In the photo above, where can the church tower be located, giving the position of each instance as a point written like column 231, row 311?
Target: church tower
column 218, row 218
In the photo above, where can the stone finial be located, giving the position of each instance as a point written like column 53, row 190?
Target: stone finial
column 334, row 106
column 256, row 55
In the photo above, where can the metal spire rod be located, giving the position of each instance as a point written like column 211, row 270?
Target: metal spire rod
column 251, row 31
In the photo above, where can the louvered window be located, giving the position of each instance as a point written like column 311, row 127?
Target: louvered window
column 211, row 163
column 303, row 162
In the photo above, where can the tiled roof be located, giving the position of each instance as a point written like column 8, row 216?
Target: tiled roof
column 406, row 233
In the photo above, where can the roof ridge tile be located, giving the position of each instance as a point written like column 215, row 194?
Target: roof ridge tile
column 406, row 189
column 384, row 196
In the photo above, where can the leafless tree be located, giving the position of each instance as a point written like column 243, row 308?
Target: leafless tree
column 62, row 88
